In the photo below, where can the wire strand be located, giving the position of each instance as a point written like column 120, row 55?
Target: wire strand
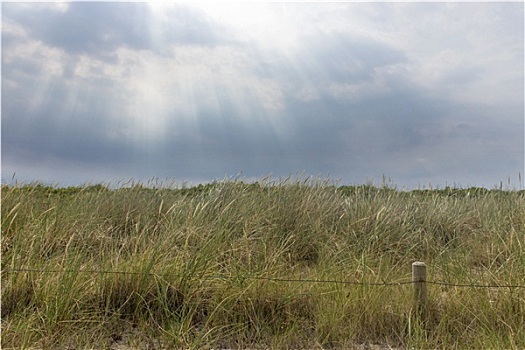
column 273, row 279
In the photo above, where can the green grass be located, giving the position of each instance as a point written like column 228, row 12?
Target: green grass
column 198, row 266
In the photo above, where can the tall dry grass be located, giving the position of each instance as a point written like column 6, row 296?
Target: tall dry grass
column 199, row 266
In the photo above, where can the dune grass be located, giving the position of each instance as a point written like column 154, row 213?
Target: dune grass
column 216, row 266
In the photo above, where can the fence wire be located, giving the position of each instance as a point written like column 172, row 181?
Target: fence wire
column 273, row 279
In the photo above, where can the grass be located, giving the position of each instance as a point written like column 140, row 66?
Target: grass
column 199, row 266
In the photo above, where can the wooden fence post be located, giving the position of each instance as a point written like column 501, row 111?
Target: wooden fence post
column 419, row 282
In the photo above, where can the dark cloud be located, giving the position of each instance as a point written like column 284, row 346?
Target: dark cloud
column 99, row 28
column 85, row 28
column 346, row 59
column 81, row 133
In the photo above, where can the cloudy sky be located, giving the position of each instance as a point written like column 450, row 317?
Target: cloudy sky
column 419, row 92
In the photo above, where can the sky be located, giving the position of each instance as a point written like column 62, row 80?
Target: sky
column 422, row 94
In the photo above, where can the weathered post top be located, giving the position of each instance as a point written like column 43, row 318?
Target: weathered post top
column 419, row 278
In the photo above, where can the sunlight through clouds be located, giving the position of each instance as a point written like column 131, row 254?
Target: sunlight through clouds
column 268, row 26
column 192, row 81
column 202, row 90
